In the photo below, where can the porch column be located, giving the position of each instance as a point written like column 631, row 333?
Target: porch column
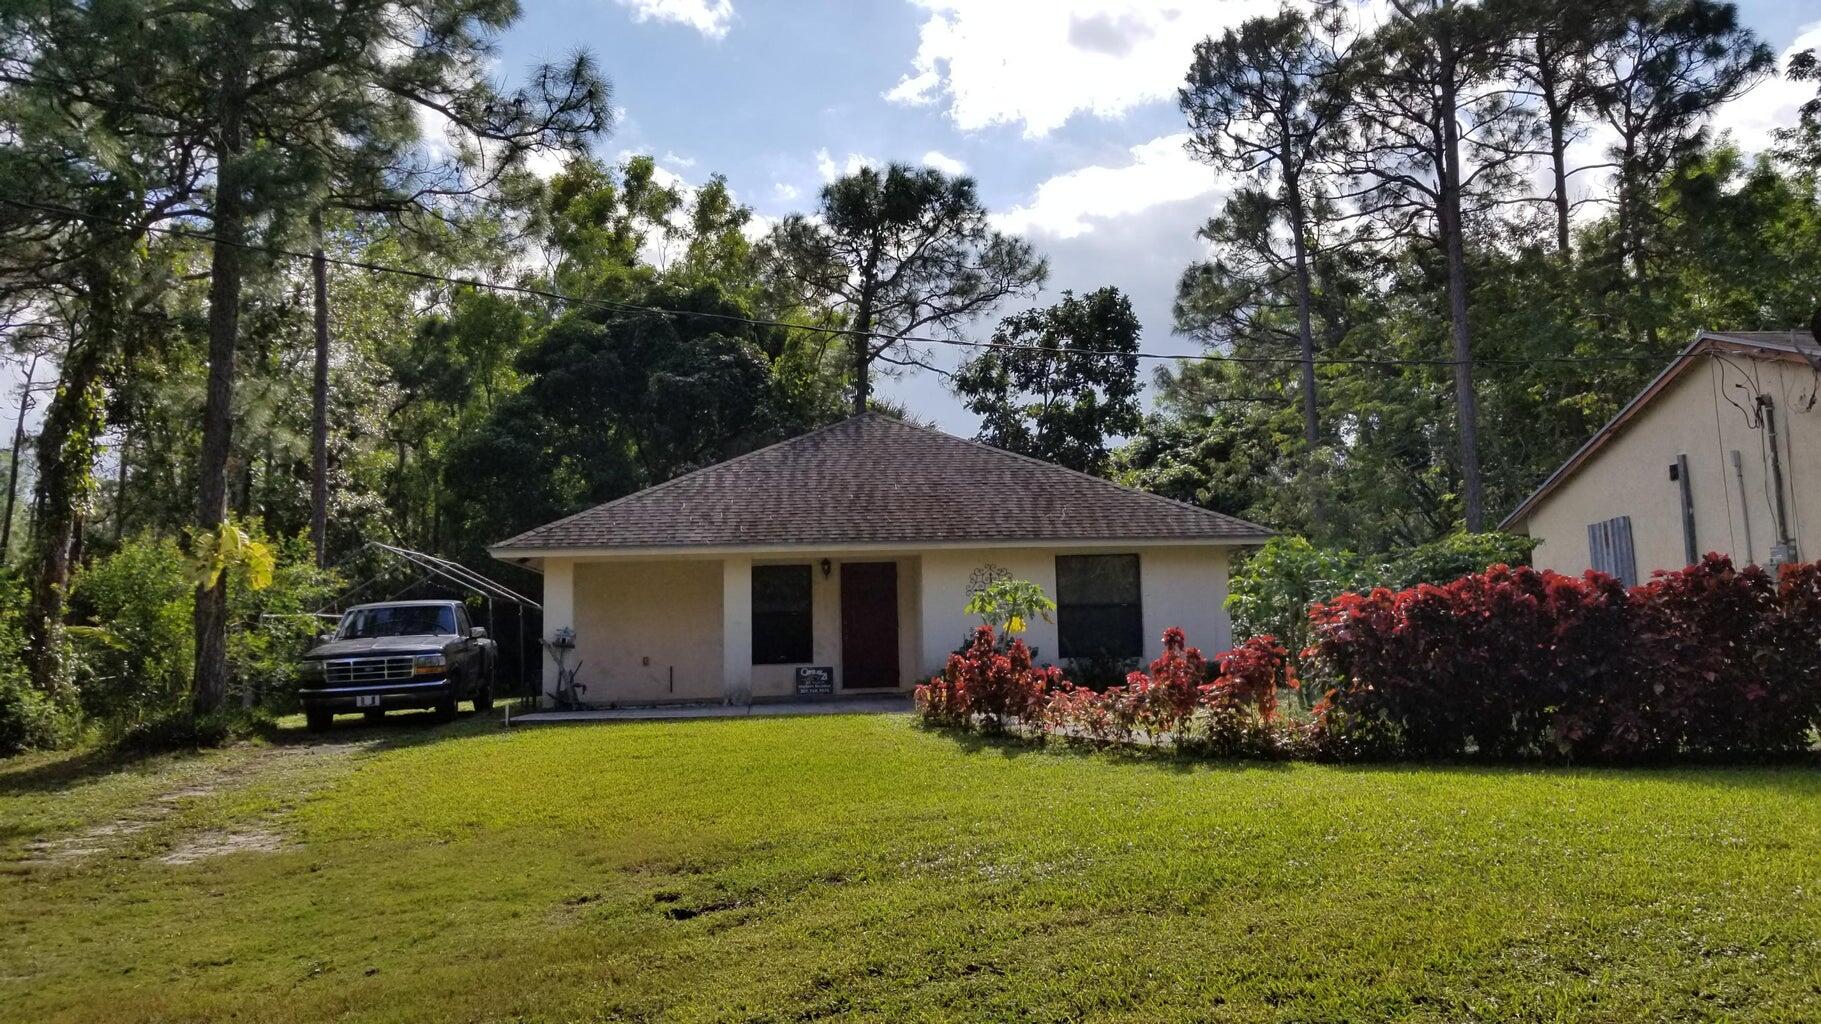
column 736, row 631
column 559, row 612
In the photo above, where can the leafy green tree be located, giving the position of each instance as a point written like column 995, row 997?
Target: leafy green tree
column 896, row 252
column 1064, row 380
column 1553, row 60
column 1262, row 102
column 285, row 93
column 616, row 402
column 1658, row 82
column 1435, row 143
column 1801, row 142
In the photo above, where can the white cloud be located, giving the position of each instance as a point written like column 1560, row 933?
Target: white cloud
column 1038, row 62
column 545, row 163
column 1773, row 104
column 1161, row 171
column 709, row 17
column 674, row 160
column 785, row 192
column 943, row 162
column 830, row 169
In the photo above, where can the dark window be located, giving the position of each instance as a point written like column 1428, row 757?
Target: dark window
column 461, row 621
column 782, row 633
column 1098, row 613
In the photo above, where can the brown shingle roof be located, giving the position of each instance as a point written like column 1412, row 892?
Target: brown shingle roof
column 873, row 479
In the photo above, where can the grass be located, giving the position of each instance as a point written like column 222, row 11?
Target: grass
column 860, row 868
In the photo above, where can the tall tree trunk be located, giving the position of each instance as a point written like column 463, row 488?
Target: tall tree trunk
column 12, row 472
column 1304, row 327
column 225, row 268
column 319, row 401
column 1556, row 113
column 863, row 355
column 1454, row 245
column 67, row 445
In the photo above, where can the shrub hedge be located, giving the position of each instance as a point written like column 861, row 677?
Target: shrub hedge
column 1710, row 662
column 1707, row 662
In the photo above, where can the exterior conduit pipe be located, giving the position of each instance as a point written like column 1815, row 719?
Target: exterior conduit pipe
column 1679, row 473
column 1738, row 472
column 1785, row 549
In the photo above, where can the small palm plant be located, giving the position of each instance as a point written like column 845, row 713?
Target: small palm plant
column 1009, row 605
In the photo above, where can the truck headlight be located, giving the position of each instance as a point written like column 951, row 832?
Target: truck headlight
column 310, row 670
column 429, row 664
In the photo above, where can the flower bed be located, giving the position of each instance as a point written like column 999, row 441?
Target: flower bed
column 1710, row 662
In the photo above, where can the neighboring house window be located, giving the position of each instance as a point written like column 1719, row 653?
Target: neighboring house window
column 1098, row 613
column 782, row 633
column 1610, row 544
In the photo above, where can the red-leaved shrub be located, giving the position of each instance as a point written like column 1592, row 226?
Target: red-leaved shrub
column 1709, row 661
column 995, row 686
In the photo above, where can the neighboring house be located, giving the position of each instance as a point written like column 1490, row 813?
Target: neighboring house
column 855, row 548
column 1721, row 452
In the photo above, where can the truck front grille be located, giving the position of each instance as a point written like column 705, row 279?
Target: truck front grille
column 363, row 671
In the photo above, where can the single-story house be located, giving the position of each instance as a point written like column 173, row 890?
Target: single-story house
column 1721, row 452
column 840, row 562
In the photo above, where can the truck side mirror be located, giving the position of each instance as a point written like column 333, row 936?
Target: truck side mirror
column 478, row 632
column 325, row 638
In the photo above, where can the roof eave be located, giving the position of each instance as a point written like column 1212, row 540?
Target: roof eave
column 514, row 554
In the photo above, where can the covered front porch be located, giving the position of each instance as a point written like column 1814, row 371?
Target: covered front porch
column 738, row 629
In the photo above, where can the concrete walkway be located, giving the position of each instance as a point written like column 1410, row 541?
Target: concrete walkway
column 839, row 706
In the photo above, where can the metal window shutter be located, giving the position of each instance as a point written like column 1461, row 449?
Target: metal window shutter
column 1609, row 546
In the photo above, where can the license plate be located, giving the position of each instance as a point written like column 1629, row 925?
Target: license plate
column 367, row 700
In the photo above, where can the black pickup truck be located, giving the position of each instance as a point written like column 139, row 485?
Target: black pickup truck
column 400, row 654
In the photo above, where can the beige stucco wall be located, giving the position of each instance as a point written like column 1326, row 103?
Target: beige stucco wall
column 652, row 630
column 1629, row 476
column 638, row 622
column 1179, row 586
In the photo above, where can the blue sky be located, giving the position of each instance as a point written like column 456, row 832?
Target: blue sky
column 1062, row 110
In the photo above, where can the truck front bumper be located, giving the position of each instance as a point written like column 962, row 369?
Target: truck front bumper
column 426, row 693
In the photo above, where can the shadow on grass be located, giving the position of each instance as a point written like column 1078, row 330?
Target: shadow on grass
column 1798, row 774
column 55, row 771
column 1010, row 745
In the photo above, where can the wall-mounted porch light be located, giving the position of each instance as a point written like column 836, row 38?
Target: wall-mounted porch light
column 827, row 567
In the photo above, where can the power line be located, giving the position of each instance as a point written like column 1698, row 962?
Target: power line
column 614, row 306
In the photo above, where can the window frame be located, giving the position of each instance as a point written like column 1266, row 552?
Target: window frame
column 779, row 646
column 1132, row 645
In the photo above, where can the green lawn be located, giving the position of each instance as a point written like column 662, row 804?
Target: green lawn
column 860, row 868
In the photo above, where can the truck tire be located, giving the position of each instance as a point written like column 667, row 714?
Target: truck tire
column 318, row 720
column 483, row 698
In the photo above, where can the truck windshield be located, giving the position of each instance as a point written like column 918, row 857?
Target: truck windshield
column 408, row 620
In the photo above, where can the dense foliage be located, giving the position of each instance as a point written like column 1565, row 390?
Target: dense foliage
column 1711, row 661
column 1272, row 589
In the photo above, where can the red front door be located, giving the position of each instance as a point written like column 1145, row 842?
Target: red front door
column 869, row 625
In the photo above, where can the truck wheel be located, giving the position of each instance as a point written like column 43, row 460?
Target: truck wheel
column 483, row 698
column 317, row 721
column 446, row 708
column 374, row 716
